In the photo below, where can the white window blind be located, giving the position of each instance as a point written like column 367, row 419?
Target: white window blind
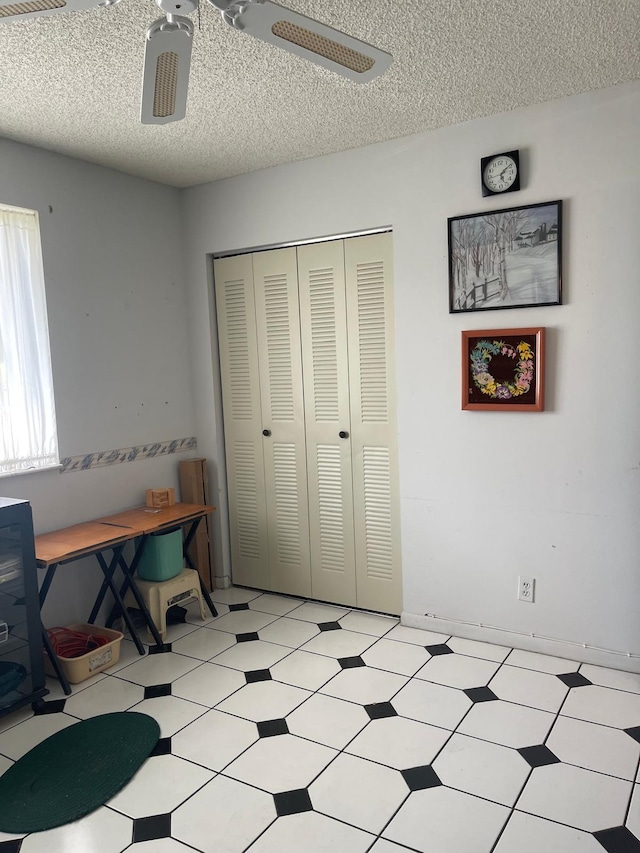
column 28, row 439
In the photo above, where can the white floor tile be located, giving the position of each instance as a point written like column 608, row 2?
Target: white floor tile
column 485, row 769
column 543, row 663
column 416, row 636
column 615, row 678
column 215, row 739
column 105, row 697
column 10, row 720
column 399, row 743
column 633, row 818
column 281, row 763
column 440, row 820
column 525, row 833
column 204, row 644
column 594, row 747
column 507, row 724
column 312, row 833
column 128, row 654
column 55, row 688
column 278, row 605
column 243, row 621
column 603, row 705
column 432, row 703
column 579, row 798
column 529, row 687
column 475, row 649
column 236, row 815
column 208, row 684
column 303, row 669
column 103, row 831
column 327, row 720
column 383, row 846
column 5, row 764
column 264, row 700
column 403, row 658
column 193, row 613
column 368, row 623
column 159, row 845
column 318, row 613
column 358, row 792
column 17, row 741
column 158, row 669
column 289, row 632
column 176, row 632
column 256, row 654
column 234, row 595
column 339, row 644
column 458, row 671
column 364, row 685
column 171, row 713
column 161, row 784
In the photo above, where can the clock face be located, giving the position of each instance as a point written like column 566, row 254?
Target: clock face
column 500, row 173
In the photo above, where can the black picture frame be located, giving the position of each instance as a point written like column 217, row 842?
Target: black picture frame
column 509, row 258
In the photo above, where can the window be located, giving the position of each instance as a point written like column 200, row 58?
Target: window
column 28, row 439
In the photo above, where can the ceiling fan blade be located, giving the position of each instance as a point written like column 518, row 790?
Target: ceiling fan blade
column 306, row 37
column 167, row 62
column 10, row 10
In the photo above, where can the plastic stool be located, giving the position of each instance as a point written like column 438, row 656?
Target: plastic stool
column 159, row 596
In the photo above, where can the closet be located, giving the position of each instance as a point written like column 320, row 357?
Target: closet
column 306, row 362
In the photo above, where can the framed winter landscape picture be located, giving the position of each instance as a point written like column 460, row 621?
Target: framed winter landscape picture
column 506, row 258
column 503, row 370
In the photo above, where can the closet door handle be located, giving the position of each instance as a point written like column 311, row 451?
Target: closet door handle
column 343, row 434
column 266, row 433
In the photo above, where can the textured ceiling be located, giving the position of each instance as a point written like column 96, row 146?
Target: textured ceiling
column 71, row 83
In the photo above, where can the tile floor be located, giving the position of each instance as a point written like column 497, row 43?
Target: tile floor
column 295, row 727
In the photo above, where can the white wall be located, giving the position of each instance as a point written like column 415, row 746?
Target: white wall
column 484, row 496
column 118, row 328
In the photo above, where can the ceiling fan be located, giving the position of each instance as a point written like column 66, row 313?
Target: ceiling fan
column 168, row 44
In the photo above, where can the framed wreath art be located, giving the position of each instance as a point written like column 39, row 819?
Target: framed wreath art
column 503, row 370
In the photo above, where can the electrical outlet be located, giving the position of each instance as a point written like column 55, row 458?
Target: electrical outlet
column 526, row 589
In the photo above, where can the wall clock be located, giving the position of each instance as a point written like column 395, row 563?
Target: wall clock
column 500, row 173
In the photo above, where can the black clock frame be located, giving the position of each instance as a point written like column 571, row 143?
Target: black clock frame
column 515, row 186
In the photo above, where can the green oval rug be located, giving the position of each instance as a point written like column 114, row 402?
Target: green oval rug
column 74, row 771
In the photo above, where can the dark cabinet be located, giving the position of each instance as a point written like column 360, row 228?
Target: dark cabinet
column 21, row 661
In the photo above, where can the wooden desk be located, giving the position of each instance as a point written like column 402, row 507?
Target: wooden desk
column 112, row 533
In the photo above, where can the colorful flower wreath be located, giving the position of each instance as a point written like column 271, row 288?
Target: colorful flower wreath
column 482, row 354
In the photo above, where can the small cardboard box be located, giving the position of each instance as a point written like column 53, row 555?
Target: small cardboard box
column 194, row 489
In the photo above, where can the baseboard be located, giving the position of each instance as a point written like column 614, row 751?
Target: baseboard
column 513, row 639
column 223, row 582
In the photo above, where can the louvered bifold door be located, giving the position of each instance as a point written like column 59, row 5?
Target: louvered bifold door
column 242, row 420
column 280, row 364
column 326, row 393
column 368, row 271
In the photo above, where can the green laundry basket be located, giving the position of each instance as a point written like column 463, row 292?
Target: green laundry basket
column 162, row 557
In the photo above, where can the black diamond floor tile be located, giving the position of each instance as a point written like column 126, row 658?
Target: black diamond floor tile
column 257, row 675
column 574, row 679
column 12, row 846
column 151, row 828
column 480, row 694
column 329, row 626
column 292, row 802
column 634, row 732
column 439, row 649
column 380, row 710
column 160, row 650
column 154, row 691
column 419, row 778
column 235, row 607
column 618, row 839
column 247, row 638
column 538, row 756
column 351, row 663
column 163, row 747
column 270, row 728
column 53, row 707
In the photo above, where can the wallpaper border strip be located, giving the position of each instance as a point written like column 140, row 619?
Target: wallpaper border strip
column 127, row 454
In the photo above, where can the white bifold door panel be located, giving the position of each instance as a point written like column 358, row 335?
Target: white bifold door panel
column 285, row 465
column 306, row 358
column 323, row 316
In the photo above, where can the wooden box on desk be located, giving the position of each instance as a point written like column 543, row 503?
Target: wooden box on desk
column 194, row 489
column 160, row 497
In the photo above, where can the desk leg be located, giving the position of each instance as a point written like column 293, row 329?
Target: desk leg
column 185, row 549
column 108, row 571
column 46, row 642
column 128, row 572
